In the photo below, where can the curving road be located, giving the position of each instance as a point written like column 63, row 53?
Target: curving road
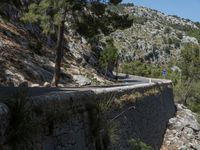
column 123, row 80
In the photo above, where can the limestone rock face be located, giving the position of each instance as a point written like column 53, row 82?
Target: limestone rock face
column 154, row 36
column 183, row 131
column 187, row 39
column 81, row 80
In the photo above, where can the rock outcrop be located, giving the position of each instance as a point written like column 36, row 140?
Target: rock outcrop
column 154, row 36
column 27, row 55
column 183, row 131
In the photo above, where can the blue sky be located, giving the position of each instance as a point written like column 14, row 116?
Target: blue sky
column 189, row 9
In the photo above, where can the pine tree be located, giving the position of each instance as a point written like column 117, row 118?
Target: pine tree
column 52, row 13
column 109, row 57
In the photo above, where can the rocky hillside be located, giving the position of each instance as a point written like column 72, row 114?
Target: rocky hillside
column 154, row 36
column 183, row 131
column 24, row 58
column 27, row 55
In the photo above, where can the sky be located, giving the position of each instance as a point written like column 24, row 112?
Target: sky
column 188, row 9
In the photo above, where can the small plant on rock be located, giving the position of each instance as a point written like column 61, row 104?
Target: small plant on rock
column 137, row 144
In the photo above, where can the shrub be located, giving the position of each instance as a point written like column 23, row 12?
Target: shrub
column 179, row 35
column 108, row 56
column 103, row 130
column 194, row 33
column 190, row 62
column 167, row 30
column 141, row 69
column 139, row 20
column 137, row 144
column 36, row 47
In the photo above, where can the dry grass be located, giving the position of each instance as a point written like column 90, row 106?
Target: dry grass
column 137, row 95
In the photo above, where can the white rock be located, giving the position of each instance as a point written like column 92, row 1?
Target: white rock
column 81, row 80
column 183, row 131
column 188, row 39
column 46, row 84
column 35, row 85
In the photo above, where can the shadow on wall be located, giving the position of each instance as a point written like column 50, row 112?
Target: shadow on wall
column 85, row 120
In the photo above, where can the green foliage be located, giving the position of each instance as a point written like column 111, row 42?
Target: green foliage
column 176, row 42
column 139, row 20
column 167, row 50
column 115, row 2
column 179, row 35
column 187, row 89
column 119, row 9
column 46, row 12
column 103, row 131
column 137, row 144
column 89, row 25
column 36, row 47
column 167, row 30
column 170, row 41
column 180, row 27
column 141, row 69
column 187, row 92
column 190, row 62
column 149, row 70
column 109, row 55
column 98, row 8
column 128, row 4
column 194, row 33
column 195, row 107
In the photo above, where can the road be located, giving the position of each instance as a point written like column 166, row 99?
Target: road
column 124, row 80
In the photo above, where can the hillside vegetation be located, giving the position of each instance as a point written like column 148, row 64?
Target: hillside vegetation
column 155, row 42
column 139, row 40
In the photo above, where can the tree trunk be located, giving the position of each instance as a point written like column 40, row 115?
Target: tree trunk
column 117, row 68
column 56, row 77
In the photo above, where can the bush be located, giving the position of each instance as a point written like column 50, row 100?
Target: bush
column 194, row 33
column 137, row 144
column 139, row 20
column 179, row 35
column 141, row 69
column 167, row 30
column 190, row 62
column 36, row 47
column 195, row 107
column 180, row 27
column 108, row 56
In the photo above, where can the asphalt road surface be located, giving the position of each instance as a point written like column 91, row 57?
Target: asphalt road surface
column 123, row 80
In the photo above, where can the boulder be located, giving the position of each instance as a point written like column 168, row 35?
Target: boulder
column 35, row 85
column 183, row 130
column 46, row 84
column 81, row 80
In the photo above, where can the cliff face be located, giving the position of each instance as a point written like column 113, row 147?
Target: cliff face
column 183, row 130
column 27, row 55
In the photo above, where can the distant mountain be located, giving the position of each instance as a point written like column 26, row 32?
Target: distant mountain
column 154, row 36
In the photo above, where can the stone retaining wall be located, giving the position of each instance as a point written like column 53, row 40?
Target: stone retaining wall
column 66, row 120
